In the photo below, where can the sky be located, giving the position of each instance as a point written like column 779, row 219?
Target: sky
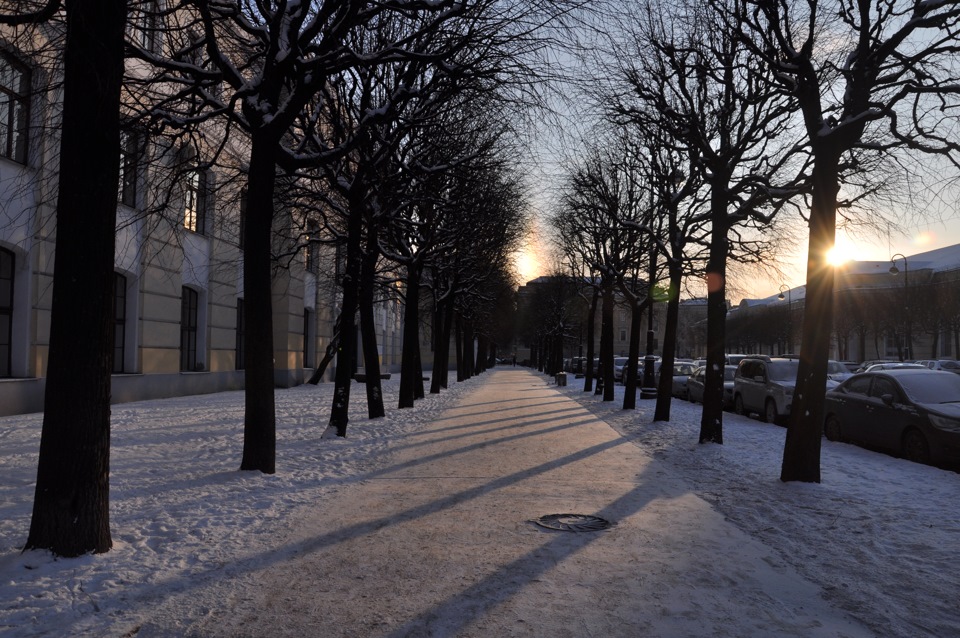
column 876, row 540
column 535, row 258
column 926, row 217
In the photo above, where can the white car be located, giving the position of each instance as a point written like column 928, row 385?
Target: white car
column 765, row 386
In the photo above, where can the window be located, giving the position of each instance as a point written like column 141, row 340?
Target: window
column 130, row 151
column 240, row 336
column 144, row 24
column 241, row 231
column 119, row 321
column 14, row 108
column 311, row 251
column 189, row 314
column 6, row 311
column 623, row 334
column 882, row 386
column 308, row 338
column 195, row 200
column 858, row 385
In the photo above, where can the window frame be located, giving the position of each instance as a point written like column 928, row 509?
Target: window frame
column 15, row 128
column 189, row 328
column 131, row 150
column 240, row 350
column 196, row 200
column 119, row 322
column 6, row 310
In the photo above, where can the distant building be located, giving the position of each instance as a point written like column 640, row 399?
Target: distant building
column 902, row 309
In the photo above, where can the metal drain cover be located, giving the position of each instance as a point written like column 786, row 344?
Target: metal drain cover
column 573, row 522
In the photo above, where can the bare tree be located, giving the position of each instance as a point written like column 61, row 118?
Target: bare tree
column 697, row 83
column 602, row 222
column 71, row 503
column 867, row 79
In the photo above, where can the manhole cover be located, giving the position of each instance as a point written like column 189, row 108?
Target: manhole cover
column 573, row 522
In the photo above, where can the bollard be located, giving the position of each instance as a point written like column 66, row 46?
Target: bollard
column 562, row 378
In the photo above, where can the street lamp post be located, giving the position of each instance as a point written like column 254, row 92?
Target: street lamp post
column 789, row 316
column 906, row 301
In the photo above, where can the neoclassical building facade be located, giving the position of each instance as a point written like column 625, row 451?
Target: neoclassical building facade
column 179, row 296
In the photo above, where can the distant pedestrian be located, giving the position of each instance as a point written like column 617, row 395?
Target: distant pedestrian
column 514, row 361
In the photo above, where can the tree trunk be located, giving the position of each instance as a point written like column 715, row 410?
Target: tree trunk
column 468, row 354
column 439, row 349
column 711, row 419
column 347, row 352
column 591, row 329
column 801, row 453
column 443, row 371
column 633, row 357
column 328, row 355
column 665, row 390
column 409, row 366
column 458, row 344
column 606, row 342
column 368, row 328
column 71, row 514
column 259, row 427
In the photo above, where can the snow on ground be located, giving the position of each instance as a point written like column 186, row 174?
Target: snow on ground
column 879, row 535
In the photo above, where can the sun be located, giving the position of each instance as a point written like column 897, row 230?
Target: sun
column 837, row 256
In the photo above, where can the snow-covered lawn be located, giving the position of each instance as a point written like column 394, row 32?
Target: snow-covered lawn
column 879, row 535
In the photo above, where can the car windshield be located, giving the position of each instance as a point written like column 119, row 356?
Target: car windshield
column 950, row 365
column 932, row 388
column 783, row 370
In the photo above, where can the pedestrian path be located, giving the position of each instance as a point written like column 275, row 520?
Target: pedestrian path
column 441, row 542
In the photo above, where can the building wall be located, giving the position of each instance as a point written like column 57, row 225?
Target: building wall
column 158, row 256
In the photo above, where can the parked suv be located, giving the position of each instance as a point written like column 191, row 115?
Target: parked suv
column 765, row 385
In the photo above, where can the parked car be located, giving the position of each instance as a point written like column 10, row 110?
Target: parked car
column 698, row 379
column 681, row 375
column 641, row 370
column 866, row 364
column 765, row 386
column 735, row 359
column 838, row 371
column 618, row 364
column 941, row 364
column 911, row 412
column 893, row 365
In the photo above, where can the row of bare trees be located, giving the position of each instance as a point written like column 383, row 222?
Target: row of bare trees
column 388, row 122
column 866, row 320
column 725, row 117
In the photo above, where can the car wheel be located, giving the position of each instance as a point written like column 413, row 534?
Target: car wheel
column 831, row 428
column 915, row 447
column 770, row 412
column 738, row 405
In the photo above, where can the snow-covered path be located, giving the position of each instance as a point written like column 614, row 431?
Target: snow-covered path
column 418, row 522
column 440, row 543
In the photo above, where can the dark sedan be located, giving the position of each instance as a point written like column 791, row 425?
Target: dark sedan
column 697, row 380
column 914, row 413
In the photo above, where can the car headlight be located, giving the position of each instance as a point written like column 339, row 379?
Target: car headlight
column 945, row 423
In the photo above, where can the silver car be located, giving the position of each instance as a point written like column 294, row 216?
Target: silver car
column 765, row 386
